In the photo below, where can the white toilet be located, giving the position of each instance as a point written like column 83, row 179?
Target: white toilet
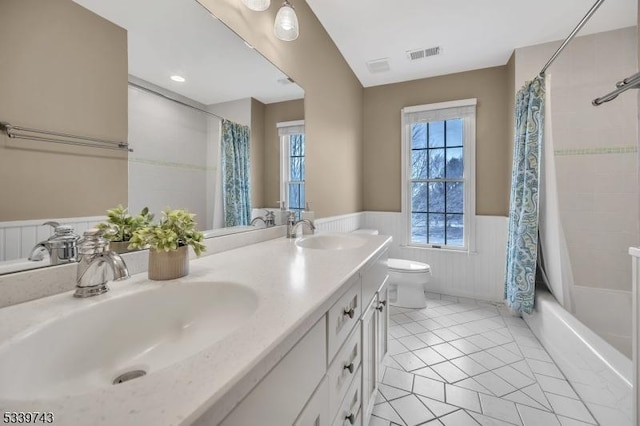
column 408, row 280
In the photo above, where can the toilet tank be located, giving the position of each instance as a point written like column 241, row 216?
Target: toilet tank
column 366, row 231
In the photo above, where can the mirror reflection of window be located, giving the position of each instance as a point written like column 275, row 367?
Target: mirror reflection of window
column 292, row 166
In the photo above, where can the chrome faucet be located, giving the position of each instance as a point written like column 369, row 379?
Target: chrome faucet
column 62, row 246
column 269, row 219
column 94, row 254
column 292, row 225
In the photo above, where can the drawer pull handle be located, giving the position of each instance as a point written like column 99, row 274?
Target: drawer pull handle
column 351, row 418
column 349, row 312
column 349, row 367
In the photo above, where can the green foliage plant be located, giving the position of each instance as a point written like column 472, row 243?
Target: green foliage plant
column 175, row 229
column 120, row 225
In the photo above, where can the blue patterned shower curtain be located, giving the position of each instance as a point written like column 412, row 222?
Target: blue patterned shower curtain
column 522, row 244
column 235, row 173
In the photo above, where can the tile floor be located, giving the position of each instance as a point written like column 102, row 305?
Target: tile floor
column 461, row 362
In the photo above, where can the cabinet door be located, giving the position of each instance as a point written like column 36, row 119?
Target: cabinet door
column 369, row 359
column 383, row 324
column 316, row 413
column 282, row 394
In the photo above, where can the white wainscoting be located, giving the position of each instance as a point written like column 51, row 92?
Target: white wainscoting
column 343, row 223
column 17, row 238
column 478, row 275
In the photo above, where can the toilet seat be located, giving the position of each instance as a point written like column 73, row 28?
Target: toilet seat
column 407, row 266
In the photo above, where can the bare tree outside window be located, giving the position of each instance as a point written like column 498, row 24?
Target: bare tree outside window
column 437, row 183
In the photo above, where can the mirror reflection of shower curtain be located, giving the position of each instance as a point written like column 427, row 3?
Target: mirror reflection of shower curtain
column 235, row 173
column 553, row 258
column 218, row 205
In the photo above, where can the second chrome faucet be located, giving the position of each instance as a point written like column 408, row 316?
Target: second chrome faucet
column 293, row 225
column 269, row 219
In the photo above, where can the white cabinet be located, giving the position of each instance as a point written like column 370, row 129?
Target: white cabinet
column 383, row 324
column 343, row 316
column 375, row 343
column 344, row 369
column 349, row 412
column 331, row 375
column 373, row 275
column 375, row 329
column 280, row 397
column 316, row 412
column 370, row 367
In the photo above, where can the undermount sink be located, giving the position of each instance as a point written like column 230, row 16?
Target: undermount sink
column 120, row 338
column 331, row 242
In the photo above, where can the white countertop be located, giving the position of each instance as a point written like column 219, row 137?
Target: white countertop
column 295, row 288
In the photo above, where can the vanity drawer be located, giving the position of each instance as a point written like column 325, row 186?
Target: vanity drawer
column 316, row 412
column 349, row 412
column 281, row 395
column 373, row 276
column 343, row 316
column 343, row 369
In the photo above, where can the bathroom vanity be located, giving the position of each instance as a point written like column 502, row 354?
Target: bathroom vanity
column 283, row 332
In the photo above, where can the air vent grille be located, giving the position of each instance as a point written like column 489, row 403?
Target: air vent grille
column 378, row 65
column 418, row 54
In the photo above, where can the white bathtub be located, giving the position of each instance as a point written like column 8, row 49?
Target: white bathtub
column 599, row 373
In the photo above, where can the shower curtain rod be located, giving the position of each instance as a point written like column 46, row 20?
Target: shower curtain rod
column 169, row 98
column 572, row 35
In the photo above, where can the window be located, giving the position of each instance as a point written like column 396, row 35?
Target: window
column 292, row 166
column 438, row 199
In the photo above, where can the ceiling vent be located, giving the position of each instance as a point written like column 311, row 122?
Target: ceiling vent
column 417, row 54
column 378, row 65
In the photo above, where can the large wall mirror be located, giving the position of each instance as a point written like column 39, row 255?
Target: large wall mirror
column 160, row 75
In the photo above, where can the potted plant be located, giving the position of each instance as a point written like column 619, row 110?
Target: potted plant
column 120, row 226
column 168, row 243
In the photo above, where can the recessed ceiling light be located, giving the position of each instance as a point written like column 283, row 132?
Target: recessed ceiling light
column 178, row 78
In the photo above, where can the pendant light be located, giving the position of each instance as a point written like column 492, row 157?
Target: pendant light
column 286, row 25
column 257, row 5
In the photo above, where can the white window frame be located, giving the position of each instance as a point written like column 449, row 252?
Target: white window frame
column 285, row 129
column 469, row 173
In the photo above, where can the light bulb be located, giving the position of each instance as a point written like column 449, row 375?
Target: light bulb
column 286, row 25
column 257, row 5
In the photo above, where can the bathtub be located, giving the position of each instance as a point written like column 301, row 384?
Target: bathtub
column 599, row 373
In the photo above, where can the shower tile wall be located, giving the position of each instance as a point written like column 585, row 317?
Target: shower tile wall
column 596, row 163
column 168, row 167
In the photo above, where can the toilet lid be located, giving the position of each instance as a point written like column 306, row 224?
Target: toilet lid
column 410, row 266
